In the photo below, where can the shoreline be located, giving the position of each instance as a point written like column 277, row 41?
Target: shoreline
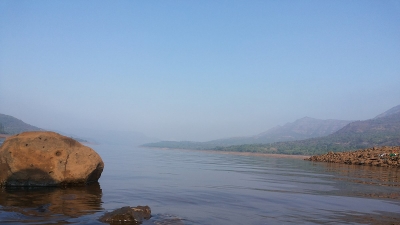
column 271, row 155
column 4, row 136
column 383, row 156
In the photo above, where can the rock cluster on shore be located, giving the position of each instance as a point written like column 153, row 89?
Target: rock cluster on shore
column 386, row 156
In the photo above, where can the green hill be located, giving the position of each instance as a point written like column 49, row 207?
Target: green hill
column 380, row 131
column 12, row 125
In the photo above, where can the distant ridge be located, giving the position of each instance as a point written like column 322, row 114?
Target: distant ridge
column 391, row 111
column 11, row 125
column 383, row 130
column 300, row 129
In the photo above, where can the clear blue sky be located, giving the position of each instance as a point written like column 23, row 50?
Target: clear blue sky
column 197, row 70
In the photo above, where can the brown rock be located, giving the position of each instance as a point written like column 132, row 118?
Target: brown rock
column 132, row 215
column 47, row 159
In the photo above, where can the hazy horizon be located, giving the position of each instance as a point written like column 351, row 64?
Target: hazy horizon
column 198, row 71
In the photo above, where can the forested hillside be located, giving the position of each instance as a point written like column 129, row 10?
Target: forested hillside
column 381, row 131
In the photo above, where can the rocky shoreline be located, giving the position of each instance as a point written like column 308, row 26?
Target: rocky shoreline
column 385, row 156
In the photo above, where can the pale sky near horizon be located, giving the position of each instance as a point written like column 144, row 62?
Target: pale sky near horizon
column 197, row 70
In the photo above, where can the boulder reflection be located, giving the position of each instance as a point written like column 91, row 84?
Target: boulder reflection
column 43, row 202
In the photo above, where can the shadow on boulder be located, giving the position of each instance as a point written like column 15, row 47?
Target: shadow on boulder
column 30, row 177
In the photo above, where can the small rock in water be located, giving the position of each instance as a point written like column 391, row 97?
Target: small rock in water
column 127, row 215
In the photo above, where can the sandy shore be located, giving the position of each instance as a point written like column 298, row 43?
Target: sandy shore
column 243, row 153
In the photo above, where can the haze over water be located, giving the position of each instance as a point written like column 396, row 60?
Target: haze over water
column 196, row 71
column 209, row 188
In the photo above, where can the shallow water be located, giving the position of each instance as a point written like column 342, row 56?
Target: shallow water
column 193, row 187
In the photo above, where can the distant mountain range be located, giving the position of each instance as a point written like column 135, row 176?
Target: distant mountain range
column 304, row 136
column 300, row 129
column 324, row 136
column 381, row 131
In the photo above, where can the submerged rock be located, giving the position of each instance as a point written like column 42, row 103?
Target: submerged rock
column 47, row 159
column 127, row 215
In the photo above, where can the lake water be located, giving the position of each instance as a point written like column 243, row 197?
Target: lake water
column 194, row 187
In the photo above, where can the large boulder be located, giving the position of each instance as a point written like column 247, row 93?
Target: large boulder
column 47, row 159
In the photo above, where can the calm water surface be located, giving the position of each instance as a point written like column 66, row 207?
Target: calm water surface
column 192, row 187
